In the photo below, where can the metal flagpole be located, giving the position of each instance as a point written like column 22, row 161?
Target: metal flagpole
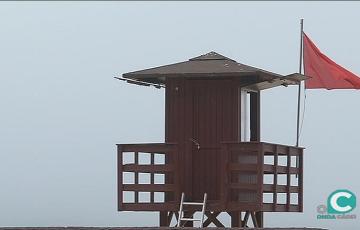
column 299, row 89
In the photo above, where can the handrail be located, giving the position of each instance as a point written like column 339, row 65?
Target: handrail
column 147, row 147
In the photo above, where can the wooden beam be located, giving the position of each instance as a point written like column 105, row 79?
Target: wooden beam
column 275, row 175
column 152, row 177
column 163, row 219
column 236, row 220
column 259, row 216
column 149, row 187
column 301, row 182
column 136, row 179
column 119, row 177
column 280, row 208
column 288, row 183
column 148, row 168
column 212, row 218
column 246, row 219
column 168, row 206
column 254, row 220
column 280, row 188
column 159, row 148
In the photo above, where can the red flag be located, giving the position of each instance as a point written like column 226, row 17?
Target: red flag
column 324, row 72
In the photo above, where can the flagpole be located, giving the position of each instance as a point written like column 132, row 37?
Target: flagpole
column 299, row 88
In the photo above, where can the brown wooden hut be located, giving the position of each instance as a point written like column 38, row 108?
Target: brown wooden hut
column 212, row 145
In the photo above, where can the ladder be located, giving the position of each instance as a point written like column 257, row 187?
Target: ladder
column 181, row 212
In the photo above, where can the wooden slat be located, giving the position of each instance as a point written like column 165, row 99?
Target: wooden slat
column 280, row 188
column 295, row 151
column 253, row 187
column 260, row 174
column 275, row 175
column 301, row 184
column 280, row 208
column 243, row 167
column 281, row 149
column 294, row 170
column 243, row 206
column 136, row 181
column 272, row 144
column 148, row 148
column 250, row 147
column 268, row 169
column 288, row 179
column 149, row 187
column 119, row 177
column 148, row 168
column 224, row 173
column 168, row 206
column 211, row 205
column 152, row 179
column 268, row 149
column 280, row 169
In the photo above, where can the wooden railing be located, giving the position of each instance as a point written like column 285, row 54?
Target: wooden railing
column 256, row 176
column 147, row 179
column 283, row 178
column 262, row 177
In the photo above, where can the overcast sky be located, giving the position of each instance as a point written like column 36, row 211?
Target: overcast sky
column 62, row 112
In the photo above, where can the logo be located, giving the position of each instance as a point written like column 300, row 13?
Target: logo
column 340, row 204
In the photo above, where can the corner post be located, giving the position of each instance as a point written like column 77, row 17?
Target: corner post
column 119, row 176
column 163, row 219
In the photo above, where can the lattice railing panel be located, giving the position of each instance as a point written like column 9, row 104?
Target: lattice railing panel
column 146, row 177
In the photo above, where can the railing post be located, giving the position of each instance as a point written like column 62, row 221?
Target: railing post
column 136, row 176
column 152, row 179
column 224, row 173
column 176, row 154
column 260, row 178
column 259, row 216
column 119, row 176
column 275, row 177
column 288, row 177
column 300, row 184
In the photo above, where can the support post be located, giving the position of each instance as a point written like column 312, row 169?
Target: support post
column 259, row 216
column 119, row 176
column 246, row 219
column 236, row 221
column 255, row 136
column 163, row 219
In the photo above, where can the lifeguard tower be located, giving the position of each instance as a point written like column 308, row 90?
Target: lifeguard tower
column 212, row 145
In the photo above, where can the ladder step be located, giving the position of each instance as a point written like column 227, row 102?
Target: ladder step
column 190, row 219
column 193, row 203
column 181, row 211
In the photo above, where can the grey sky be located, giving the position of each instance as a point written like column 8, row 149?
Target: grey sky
column 62, row 112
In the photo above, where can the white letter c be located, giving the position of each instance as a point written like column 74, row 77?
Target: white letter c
column 334, row 199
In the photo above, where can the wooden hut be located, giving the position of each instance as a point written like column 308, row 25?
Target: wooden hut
column 212, row 145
